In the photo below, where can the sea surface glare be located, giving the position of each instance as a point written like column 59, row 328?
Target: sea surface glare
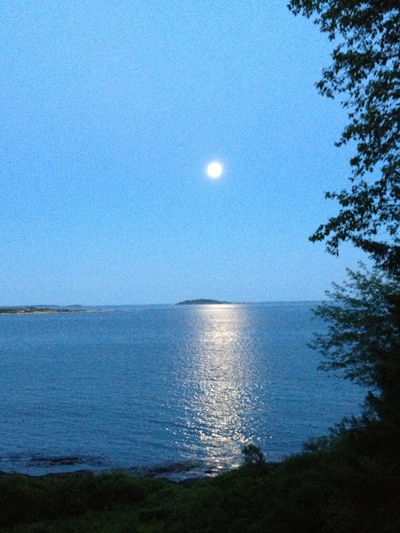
column 180, row 388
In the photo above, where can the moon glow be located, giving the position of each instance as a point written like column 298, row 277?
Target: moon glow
column 214, row 170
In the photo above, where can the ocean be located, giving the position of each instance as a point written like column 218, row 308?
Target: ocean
column 174, row 390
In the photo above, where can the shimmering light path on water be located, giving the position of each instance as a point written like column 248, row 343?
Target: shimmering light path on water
column 150, row 386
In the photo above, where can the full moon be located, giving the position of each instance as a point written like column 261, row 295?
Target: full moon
column 214, row 170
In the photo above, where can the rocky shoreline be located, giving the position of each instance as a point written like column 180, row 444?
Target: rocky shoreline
column 184, row 473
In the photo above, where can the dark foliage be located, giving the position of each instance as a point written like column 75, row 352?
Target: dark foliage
column 365, row 73
column 331, row 487
column 363, row 343
column 25, row 499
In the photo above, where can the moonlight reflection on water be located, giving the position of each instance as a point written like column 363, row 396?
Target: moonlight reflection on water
column 221, row 375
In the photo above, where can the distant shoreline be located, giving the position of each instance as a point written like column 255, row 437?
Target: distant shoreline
column 31, row 310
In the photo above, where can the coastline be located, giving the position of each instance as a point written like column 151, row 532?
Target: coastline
column 7, row 311
column 168, row 473
column 38, row 466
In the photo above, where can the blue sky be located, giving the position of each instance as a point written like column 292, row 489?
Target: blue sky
column 111, row 111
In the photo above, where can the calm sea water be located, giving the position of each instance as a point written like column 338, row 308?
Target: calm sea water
column 181, row 387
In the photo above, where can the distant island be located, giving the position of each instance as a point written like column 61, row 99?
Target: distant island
column 32, row 310
column 201, row 301
column 47, row 310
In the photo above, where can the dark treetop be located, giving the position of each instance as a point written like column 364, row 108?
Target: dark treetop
column 365, row 73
